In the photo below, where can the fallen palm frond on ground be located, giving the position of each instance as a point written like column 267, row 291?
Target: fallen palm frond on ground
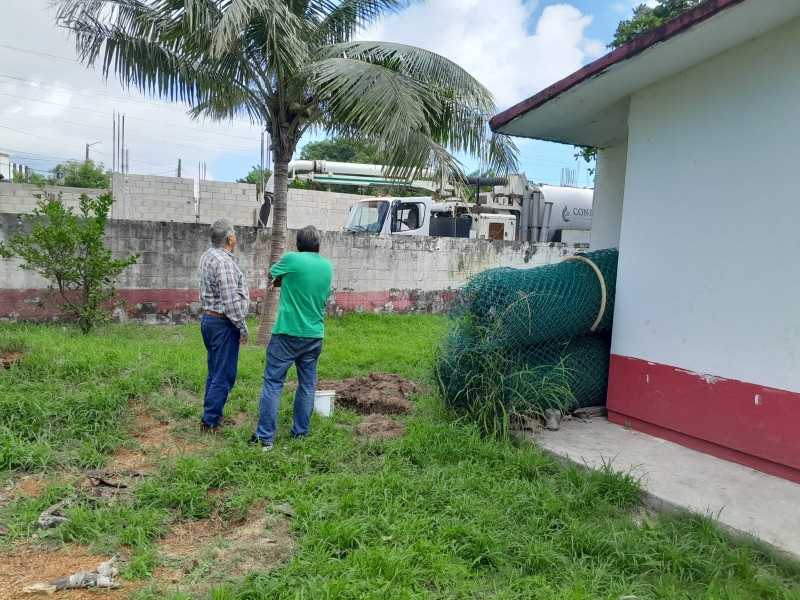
column 101, row 577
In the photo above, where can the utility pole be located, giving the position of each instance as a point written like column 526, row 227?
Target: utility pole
column 87, row 149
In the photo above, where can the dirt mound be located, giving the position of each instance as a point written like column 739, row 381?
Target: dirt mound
column 380, row 393
column 380, row 427
column 8, row 359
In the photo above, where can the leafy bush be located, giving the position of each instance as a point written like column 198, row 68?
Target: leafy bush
column 68, row 250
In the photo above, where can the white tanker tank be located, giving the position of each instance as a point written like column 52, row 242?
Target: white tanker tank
column 552, row 209
column 544, row 212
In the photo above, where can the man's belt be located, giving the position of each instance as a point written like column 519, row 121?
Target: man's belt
column 215, row 314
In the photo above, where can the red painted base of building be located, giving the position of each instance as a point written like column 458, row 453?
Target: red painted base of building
column 738, row 421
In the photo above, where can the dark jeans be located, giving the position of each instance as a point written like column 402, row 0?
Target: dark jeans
column 221, row 338
column 282, row 352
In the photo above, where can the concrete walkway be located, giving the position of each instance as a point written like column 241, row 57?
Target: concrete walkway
column 746, row 501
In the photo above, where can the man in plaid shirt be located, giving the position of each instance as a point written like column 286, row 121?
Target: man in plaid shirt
column 225, row 301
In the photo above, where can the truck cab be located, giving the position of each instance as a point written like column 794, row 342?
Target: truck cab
column 422, row 216
column 397, row 216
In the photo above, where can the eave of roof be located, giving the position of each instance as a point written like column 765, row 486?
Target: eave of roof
column 590, row 107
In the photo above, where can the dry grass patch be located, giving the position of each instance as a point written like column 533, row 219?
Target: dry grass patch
column 213, row 550
column 155, row 440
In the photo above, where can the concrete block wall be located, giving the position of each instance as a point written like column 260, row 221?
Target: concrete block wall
column 153, row 198
column 237, row 202
column 371, row 273
column 173, row 199
column 20, row 197
column 327, row 211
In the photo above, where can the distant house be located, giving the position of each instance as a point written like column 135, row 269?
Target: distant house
column 5, row 165
column 698, row 125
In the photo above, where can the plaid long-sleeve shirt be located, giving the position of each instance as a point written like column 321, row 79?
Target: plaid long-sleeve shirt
column 222, row 286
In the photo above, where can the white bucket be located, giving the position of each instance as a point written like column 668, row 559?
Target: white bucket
column 323, row 402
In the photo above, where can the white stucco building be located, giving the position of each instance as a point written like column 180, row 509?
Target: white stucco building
column 697, row 123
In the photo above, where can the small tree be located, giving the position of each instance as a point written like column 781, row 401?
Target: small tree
column 341, row 150
column 84, row 174
column 646, row 18
column 254, row 177
column 67, row 249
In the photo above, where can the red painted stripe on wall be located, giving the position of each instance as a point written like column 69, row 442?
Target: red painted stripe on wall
column 735, row 420
column 36, row 304
column 394, row 300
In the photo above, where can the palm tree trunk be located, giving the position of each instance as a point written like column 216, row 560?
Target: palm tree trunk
column 269, row 308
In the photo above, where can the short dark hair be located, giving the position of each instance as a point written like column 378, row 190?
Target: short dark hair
column 308, row 239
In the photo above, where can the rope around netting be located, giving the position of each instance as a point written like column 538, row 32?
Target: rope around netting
column 603, row 295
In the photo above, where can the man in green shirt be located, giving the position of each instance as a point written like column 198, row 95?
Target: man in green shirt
column 305, row 280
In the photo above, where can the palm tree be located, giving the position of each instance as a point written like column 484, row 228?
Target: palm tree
column 291, row 66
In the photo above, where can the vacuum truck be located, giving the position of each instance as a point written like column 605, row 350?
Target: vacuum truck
column 514, row 209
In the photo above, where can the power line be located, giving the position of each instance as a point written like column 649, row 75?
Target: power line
column 24, row 155
column 76, row 62
column 98, row 112
column 28, row 156
column 143, row 162
column 59, row 87
column 53, row 56
column 143, row 134
column 39, row 136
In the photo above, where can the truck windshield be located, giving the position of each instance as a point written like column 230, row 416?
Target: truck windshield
column 368, row 215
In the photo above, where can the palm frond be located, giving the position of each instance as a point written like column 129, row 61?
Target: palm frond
column 133, row 40
column 392, row 106
column 230, row 103
column 269, row 26
column 341, row 21
column 421, row 65
column 377, row 102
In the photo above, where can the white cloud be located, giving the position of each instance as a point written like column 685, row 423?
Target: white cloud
column 494, row 41
column 51, row 106
column 627, row 7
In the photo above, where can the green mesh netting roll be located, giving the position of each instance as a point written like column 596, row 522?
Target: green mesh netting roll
column 584, row 361
column 522, row 340
column 501, row 308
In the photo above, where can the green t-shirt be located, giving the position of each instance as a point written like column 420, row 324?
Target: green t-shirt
column 305, row 287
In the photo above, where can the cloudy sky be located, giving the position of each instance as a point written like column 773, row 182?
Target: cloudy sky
column 51, row 106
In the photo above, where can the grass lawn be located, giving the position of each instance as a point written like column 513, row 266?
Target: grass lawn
column 440, row 513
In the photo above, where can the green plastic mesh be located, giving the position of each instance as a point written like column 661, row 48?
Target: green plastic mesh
column 521, row 339
column 581, row 361
column 521, row 307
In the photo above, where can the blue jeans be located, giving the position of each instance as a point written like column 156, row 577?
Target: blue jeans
column 282, row 352
column 221, row 338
